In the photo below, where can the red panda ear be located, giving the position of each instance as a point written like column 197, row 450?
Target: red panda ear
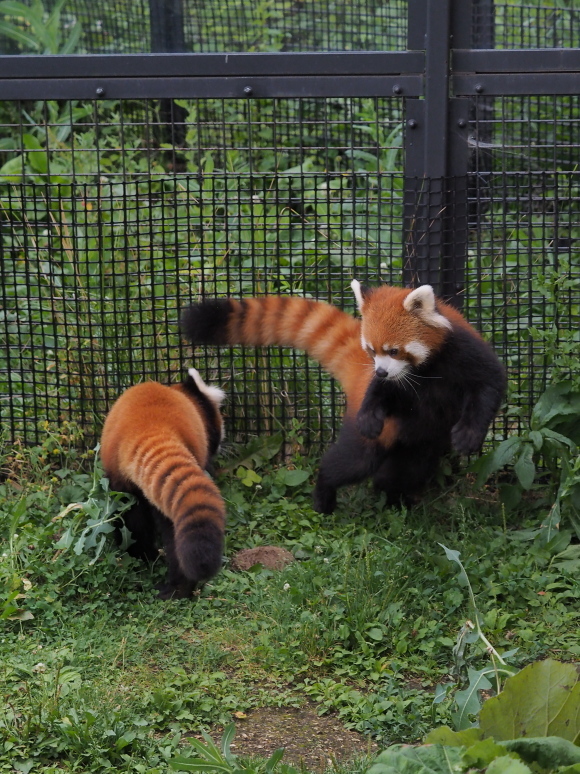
column 421, row 302
column 216, row 395
column 360, row 293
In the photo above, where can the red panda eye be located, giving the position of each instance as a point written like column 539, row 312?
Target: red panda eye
column 370, row 350
column 394, row 352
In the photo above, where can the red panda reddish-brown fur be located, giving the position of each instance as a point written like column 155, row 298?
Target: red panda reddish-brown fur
column 156, row 443
column 418, row 379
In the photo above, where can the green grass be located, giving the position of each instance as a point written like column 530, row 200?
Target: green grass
column 97, row 673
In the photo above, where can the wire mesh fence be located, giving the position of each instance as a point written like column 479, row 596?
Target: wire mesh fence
column 98, row 261
column 523, row 276
column 141, row 26
column 116, row 213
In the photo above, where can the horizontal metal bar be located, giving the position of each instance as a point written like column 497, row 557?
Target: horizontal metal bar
column 212, row 65
column 514, row 84
column 522, row 61
column 190, row 88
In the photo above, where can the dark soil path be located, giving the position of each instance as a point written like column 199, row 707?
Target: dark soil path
column 309, row 739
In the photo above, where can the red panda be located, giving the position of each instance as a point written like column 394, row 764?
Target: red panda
column 419, row 380
column 156, row 443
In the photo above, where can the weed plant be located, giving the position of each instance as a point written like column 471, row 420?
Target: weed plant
column 98, row 673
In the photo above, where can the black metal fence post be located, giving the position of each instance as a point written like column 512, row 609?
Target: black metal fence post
column 167, row 36
column 436, row 155
column 166, row 18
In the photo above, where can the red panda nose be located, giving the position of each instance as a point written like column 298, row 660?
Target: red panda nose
column 381, row 372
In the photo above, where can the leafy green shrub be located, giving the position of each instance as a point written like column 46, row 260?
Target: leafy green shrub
column 534, row 721
column 547, row 450
column 37, row 31
column 468, row 700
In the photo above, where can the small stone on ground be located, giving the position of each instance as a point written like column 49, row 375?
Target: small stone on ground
column 270, row 557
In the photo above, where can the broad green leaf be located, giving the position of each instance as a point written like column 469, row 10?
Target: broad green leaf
column 31, row 142
column 493, row 461
column 453, row 556
column 15, row 8
column 550, row 403
column 482, row 753
column 274, row 759
column 19, row 35
column 292, row 477
column 66, row 539
column 444, row 735
column 507, row 765
column 72, row 42
column 22, row 615
column 569, row 559
column 558, row 438
column 559, row 408
column 38, row 160
column 13, row 170
column 541, row 700
column 184, row 763
column 257, row 450
column 549, row 752
column 524, row 468
column 433, row 759
column 468, row 701
column 227, row 738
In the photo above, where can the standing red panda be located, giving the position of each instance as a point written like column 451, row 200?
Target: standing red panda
column 156, row 443
column 424, row 382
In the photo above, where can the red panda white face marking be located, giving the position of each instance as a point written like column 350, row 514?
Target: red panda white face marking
column 388, row 364
column 389, row 367
column 418, row 351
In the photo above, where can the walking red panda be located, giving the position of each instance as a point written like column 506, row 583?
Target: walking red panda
column 156, row 443
column 419, row 380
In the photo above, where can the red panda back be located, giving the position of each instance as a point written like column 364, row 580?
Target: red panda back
column 155, row 441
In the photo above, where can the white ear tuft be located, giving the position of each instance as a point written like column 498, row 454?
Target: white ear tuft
column 213, row 393
column 356, row 289
column 421, row 302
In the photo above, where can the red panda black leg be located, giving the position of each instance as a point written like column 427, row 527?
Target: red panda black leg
column 478, row 411
column 370, row 419
column 139, row 520
column 405, row 472
column 177, row 586
column 348, row 461
column 383, row 398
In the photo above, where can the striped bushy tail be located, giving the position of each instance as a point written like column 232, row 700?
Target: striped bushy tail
column 324, row 332
column 172, row 480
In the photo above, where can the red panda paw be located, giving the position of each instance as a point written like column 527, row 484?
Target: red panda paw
column 183, row 590
column 466, row 440
column 370, row 423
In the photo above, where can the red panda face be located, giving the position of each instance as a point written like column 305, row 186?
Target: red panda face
column 392, row 361
column 400, row 329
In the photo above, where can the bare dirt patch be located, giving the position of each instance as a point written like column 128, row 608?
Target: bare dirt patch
column 313, row 741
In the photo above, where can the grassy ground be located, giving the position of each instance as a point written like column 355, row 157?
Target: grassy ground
column 96, row 673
